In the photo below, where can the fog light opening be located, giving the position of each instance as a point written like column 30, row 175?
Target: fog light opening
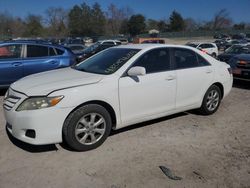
column 30, row 133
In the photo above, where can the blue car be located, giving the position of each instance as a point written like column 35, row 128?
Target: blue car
column 21, row 58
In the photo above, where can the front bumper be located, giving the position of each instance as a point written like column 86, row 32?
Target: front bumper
column 47, row 123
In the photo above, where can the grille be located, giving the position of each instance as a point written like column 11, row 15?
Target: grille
column 10, row 101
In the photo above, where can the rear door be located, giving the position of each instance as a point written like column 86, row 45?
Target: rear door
column 194, row 76
column 38, row 59
column 11, row 66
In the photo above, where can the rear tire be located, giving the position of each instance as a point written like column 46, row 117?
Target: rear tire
column 211, row 101
column 87, row 127
column 213, row 55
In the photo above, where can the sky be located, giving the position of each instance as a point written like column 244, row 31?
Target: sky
column 200, row 10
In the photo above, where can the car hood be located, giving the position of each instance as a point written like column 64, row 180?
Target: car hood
column 47, row 82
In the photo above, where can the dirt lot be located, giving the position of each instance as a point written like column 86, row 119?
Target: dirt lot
column 210, row 151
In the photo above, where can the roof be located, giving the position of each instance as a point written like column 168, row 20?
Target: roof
column 151, row 46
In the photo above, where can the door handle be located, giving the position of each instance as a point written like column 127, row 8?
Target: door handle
column 53, row 62
column 170, row 77
column 16, row 64
column 209, row 71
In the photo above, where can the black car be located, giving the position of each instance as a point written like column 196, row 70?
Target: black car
column 234, row 50
column 240, row 65
column 92, row 50
column 221, row 36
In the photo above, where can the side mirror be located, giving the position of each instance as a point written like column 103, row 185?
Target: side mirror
column 137, row 71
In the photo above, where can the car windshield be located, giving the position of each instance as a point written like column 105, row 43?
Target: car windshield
column 192, row 45
column 236, row 50
column 108, row 61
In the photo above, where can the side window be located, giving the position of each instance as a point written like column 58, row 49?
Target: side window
column 108, row 43
column 10, row 51
column 52, row 52
column 157, row 60
column 59, row 52
column 203, row 46
column 37, row 51
column 185, row 58
column 202, row 61
column 210, row 46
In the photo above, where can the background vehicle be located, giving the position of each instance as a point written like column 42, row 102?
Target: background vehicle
column 159, row 41
column 95, row 48
column 233, row 42
column 240, row 65
column 76, row 48
column 115, row 88
column 221, row 36
column 234, row 50
column 19, row 59
column 209, row 48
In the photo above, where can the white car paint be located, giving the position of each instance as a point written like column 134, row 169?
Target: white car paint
column 132, row 99
column 212, row 49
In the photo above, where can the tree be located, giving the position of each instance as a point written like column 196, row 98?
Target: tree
column 176, row 22
column 221, row 20
column 163, row 26
column 152, row 24
column 239, row 26
column 190, row 24
column 74, row 25
column 34, row 27
column 98, row 20
column 57, row 21
column 136, row 24
column 117, row 18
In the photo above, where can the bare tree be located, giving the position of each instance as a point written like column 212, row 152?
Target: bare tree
column 222, row 20
column 57, row 21
column 116, row 17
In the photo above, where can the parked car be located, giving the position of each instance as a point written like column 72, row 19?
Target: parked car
column 22, row 58
column 158, row 41
column 76, row 48
column 115, row 88
column 221, row 36
column 220, row 43
column 209, row 48
column 233, row 42
column 110, row 42
column 240, row 65
column 123, row 41
column 234, row 50
column 94, row 49
column 240, row 36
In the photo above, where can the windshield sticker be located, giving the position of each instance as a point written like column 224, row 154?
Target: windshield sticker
column 119, row 62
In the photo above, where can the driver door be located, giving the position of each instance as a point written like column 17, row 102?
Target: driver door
column 150, row 95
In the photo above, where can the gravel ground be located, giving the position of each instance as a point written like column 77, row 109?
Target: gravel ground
column 206, row 151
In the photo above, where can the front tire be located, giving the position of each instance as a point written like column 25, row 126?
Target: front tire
column 87, row 127
column 211, row 101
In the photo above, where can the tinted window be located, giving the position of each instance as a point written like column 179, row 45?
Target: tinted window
column 52, row 52
column 157, row 60
column 37, row 51
column 59, row 52
column 108, row 43
column 108, row 61
column 185, row 58
column 202, row 61
column 10, row 51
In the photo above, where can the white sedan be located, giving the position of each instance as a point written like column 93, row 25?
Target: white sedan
column 115, row 88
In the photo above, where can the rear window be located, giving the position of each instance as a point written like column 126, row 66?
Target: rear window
column 10, row 51
column 37, row 51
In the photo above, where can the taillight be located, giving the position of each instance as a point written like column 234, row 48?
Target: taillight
column 230, row 70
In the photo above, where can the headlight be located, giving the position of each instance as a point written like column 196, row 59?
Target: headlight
column 39, row 103
column 6, row 94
